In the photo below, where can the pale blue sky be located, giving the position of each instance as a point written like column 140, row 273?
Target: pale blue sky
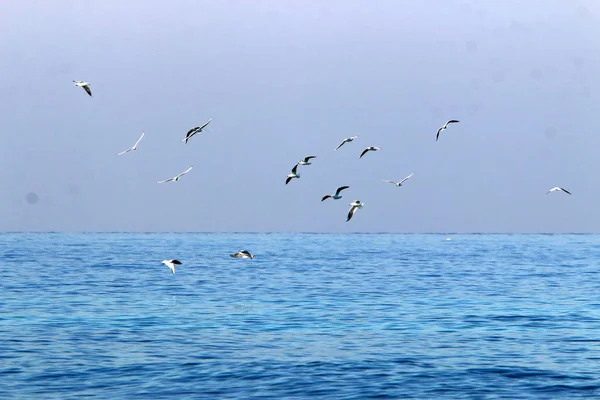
column 286, row 79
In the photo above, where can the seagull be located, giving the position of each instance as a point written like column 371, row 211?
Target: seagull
column 355, row 205
column 171, row 264
column 554, row 189
column 306, row 160
column 134, row 146
column 242, row 254
column 347, row 140
column 176, row 178
column 84, row 85
column 370, row 148
column 399, row 183
column 292, row 175
column 452, row 121
column 336, row 196
column 195, row 130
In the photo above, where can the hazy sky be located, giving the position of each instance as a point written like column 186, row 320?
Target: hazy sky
column 286, row 79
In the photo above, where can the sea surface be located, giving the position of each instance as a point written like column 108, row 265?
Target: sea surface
column 313, row 316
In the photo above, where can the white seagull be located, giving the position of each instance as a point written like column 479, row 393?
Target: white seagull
column 336, row 196
column 176, row 178
column 554, row 189
column 292, row 174
column 195, row 130
column 347, row 140
column 370, row 148
column 444, row 127
column 242, row 254
column 355, row 205
column 306, row 160
column 84, row 85
column 171, row 264
column 134, row 146
column 401, row 182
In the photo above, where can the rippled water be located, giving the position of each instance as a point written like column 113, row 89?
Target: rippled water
column 312, row 316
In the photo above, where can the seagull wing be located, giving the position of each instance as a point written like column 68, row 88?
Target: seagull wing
column 204, row 126
column 288, row 180
column 408, row 177
column 392, row 182
column 87, row 89
column 184, row 172
column 176, row 262
column 337, row 192
column 452, row 121
column 123, row 152
column 437, row 136
column 306, row 159
column 341, row 144
column 565, row 190
column 166, row 180
column 139, row 140
column 364, row 152
column 295, row 169
column 351, row 213
column 326, row 197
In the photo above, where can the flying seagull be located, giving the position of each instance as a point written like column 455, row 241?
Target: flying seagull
column 306, row 160
column 195, row 130
column 444, row 127
column 336, row 196
column 355, row 205
column 554, row 189
column 171, row 264
column 292, row 174
column 242, row 254
column 370, row 148
column 134, row 146
column 176, row 178
column 401, row 182
column 84, row 85
column 347, row 140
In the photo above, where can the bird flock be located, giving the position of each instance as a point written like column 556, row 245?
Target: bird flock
column 294, row 174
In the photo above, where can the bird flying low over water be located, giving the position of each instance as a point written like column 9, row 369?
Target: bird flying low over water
column 401, row 182
column 347, row 140
column 370, row 148
column 306, row 160
column 292, row 174
column 336, row 196
column 171, row 264
column 554, row 189
column 195, row 130
column 242, row 254
column 84, row 85
column 134, row 146
column 176, row 178
column 355, row 205
column 444, row 127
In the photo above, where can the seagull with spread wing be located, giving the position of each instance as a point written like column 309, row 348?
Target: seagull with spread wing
column 293, row 174
column 347, row 140
column 337, row 195
column 195, row 130
column 176, row 178
column 554, row 189
column 370, row 148
column 355, row 205
column 401, row 182
column 444, row 127
column 134, row 146
column 84, row 85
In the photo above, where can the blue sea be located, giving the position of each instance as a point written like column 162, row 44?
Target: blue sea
column 313, row 316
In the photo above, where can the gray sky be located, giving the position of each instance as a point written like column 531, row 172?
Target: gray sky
column 286, row 79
